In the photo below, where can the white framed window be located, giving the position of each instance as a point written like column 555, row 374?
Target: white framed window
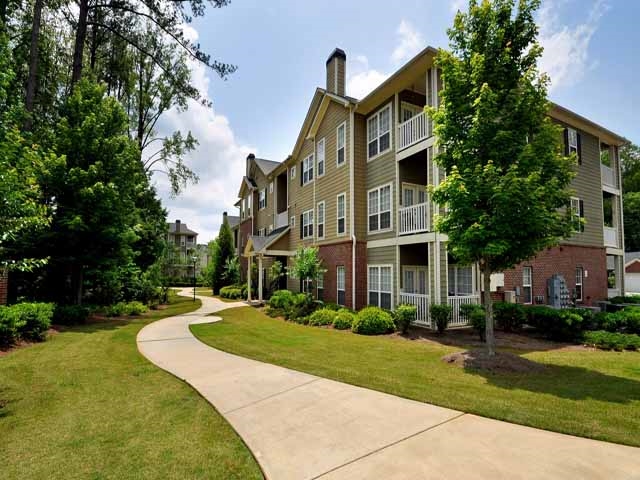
column 271, row 187
column 307, row 170
column 579, row 279
column 261, row 232
column 460, row 280
column 379, row 132
column 292, row 222
column 292, row 172
column 415, row 279
column 320, row 287
column 341, row 207
column 320, row 220
column 320, row 156
column 307, row 224
column 572, row 140
column 379, row 285
column 379, row 208
column 577, row 214
column 341, row 285
column 248, row 203
column 341, row 134
column 527, row 285
column 413, row 194
column 408, row 111
column 262, row 199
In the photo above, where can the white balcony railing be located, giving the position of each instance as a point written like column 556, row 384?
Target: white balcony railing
column 611, row 237
column 455, row 302
column 422, row 304
column 414, row 219
column 608, row 176
column 413, row 130
column 282, row 219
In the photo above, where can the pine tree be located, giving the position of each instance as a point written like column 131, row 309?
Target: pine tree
column 223, row 251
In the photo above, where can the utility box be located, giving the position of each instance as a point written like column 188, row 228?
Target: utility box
column 558, row 295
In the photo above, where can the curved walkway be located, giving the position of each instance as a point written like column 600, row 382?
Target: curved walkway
column 300, row 426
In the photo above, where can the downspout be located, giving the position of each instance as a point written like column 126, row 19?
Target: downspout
column 351, row 207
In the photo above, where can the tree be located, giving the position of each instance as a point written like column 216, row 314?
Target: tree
column 632, row 221
column 231, row 273
column 307, row 266
column 507, row 181
column 223, row 251
column 630, row 163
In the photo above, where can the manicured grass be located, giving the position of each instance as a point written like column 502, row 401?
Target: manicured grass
column 581, row 392
column 85, row 404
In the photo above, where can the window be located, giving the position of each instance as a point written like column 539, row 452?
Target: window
column 379, row 132
column 262, row 199
column 341, row 285
column 307, row 224
column 293, row 172
column 320, row 287
column 341, row 214
column 579, row 277
column 379, row 286
column 248, row 202
column 460, row 280
column 320, row 221
column 527, row 276
column 320, row 157
column 293, row 221
column 270, row 229
column 271, row 187
column 572, row 143
column 408, row 111
column 380, row 209
column 577, row 214
column 261, row 232
column 307, row 170
column 340, row 142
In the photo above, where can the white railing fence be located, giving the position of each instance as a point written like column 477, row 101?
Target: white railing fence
column 422, row 304
column 608, row 176
column 282, row 219
column 455, row 302
column 413, row 130
column 611, row 237
column 414, row 219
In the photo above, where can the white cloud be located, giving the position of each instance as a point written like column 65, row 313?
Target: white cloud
column 566, row 55
column 410, row 42
column 456, row 5
column 365, row 79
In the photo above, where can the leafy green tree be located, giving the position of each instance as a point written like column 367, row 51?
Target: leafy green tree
column 223, row 251
column 630, row 163
column 631, row 203
column 307, row 266
column 231, row 273
column 507, row 181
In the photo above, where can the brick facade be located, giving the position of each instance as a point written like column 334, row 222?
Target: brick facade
column 4, row 286
column 564, row 260
column 340, row 254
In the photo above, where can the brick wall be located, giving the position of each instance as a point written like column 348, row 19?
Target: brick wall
column 563, row 260
column 4, row 284
column 339, row 254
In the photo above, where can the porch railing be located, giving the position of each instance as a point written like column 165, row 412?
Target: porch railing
column 282, row 219
column 421, row 302
column 611, row 237
column 413, row 130
column 608, row 176
column 414, row 219
column 455, row 302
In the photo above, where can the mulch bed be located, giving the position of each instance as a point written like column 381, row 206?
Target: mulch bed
column 500, row 362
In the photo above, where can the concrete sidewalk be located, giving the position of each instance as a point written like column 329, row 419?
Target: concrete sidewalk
column 300, row 426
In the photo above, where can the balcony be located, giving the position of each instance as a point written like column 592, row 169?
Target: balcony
column 414, row 130
column 608, row 176
column 421, row 302
column 413, row 219
column 282, row 219
column 611, row 237
column 458, row 320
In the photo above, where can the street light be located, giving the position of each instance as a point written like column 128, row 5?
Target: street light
column 194, row 259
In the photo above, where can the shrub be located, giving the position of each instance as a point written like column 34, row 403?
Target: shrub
column 625, row 299
column 509, row 316
column 232, row 292
column 324, row 316
column 343, row 320
column 632, row 317
column 70, row 314
column 301, row 320
column 404, row 315
column 126, row 308
column 302, row 305
column 332, row 306
column 372, row 321
column 10, row 323
column 476, row 317
column 612, row 341
column 281, row 299
column 440, row 315
column 611, row 322
column 29, row 321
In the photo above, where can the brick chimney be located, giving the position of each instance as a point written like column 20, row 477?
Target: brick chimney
column 178, row 225
column 336, row 72
column 250, row 157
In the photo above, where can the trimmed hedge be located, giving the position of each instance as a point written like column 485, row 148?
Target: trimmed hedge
column 372, row 321
column 404, row 315
column 612, row 341
column 343, row 320
column 232, row 292
column 625, row 320
column 27, row 321
column 558, row 324
column 509, row 316
column 281, row 299
column 626, row 299
column 440, row 315
column 476, row 317
column 70, row 314
column 126, row 308
column 322, row 317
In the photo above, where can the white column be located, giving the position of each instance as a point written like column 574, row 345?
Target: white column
column 249, row 265
column 260, row 278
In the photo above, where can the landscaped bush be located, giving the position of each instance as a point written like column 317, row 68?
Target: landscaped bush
column 126, row 308
column 324, row 316
column 332, row 306
column 476, row 317
column 343, row 319
column 10, row 322
column 509, row 316
column 612, row 341
column 281, row 299
column 302, row 305
column 28, row 321
column 372, row 321
column 232, row 292
column 70, row 314
column 404, row 315
column 557, row 324
column 625, row 299
column 440, row 315
column 632, row 319
column 625, row 320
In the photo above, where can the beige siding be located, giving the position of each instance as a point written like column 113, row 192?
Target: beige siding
column 382, row 256
column 261, row 218
column 360, row 175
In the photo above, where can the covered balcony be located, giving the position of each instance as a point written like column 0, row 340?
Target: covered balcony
column 608, row 162
column 414, row 210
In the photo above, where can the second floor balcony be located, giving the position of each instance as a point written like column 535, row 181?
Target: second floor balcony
column 417, row 128
column 608, row 175
column 413, row 219
column 611, row 237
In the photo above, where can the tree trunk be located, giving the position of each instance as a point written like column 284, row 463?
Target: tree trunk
column 140, row 132
column 488, row 306
column 81, row 36
column 33, row 63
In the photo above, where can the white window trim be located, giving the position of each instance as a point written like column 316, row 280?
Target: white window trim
column 271, row 187
column 343, row 125
column 529, row 285
column 416, row 187
column 455, row 268
column 572, row 132
column 380, row 267
column 324, row 158
column 338, row 217
column 310, row 223
column 386, row 230
column 292, row 173
column 261, row 232
column 320, row 285
column 309, row 159
column 344, row 270
column 324, row 219
column 575, row 214
column 377, row 113
column 262, row 197
column 415, row 269
column 581, row 283
column 293, row 221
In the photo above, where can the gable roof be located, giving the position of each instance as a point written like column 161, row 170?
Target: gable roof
column 183, row 229
column 630, row 257
column 267, row 166
column 233, row 221
column 260, row 243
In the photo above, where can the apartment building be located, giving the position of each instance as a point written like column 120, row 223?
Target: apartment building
column 183, row 240
column 355, row 186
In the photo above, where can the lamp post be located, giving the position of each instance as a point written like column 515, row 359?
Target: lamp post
column 194, row 259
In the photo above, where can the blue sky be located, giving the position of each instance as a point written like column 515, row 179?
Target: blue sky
column 280, row 48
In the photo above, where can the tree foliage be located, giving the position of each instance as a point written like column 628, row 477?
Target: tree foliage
column 307, row 265
column 224, row 250
column 506, row 185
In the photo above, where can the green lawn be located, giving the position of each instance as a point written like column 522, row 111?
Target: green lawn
column 85, row 404
column 588, row 393
column 206, row 292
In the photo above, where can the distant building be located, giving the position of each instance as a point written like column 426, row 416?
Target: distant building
column 183, row 240
column 632, row 272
